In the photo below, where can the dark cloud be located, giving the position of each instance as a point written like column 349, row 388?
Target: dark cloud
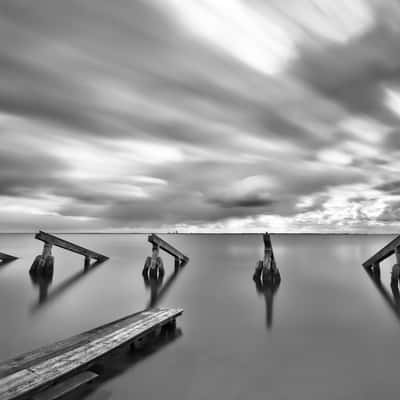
column 355, row 75
column 392, row 187
column 247, row 201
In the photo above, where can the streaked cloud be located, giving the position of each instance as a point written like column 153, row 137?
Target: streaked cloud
column 200, row 115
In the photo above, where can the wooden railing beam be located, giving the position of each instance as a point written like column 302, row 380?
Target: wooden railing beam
column 384, row 253
column 56, row 241
column 162, row 244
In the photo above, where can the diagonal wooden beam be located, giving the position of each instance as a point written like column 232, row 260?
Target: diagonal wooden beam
column 65, row 244
column 384, row 253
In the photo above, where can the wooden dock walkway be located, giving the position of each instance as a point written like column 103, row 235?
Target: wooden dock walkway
column 40, row 374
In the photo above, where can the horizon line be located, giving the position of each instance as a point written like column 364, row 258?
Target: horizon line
column 199, row 233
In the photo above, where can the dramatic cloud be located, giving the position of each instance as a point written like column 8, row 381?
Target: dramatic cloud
column 200, row 115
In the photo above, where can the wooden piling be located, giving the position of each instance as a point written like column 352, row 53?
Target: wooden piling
column 154, row 265
column 266, row 269
column 44, row 263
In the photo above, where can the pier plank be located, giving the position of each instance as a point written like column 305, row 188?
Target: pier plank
column 43, row 372
column 27, row 359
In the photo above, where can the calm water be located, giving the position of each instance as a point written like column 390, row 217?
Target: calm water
column 333, row 336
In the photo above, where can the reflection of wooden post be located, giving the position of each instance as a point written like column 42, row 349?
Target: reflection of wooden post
column 269, row 305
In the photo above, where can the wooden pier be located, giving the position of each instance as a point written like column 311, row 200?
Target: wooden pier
column 52, row 371
column 154, row 265
column 45, row 262
column 6, row 258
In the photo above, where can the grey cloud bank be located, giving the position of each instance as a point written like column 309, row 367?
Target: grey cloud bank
column 199, row 116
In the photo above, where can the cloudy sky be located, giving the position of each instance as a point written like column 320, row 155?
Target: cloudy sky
column 200, row 115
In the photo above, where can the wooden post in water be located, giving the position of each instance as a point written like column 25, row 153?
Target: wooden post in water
column 376, row 270
column 44, row 263
column 396, row 269
column 267, row 278
column 372, row 264
column 266, row 269
column 154, row 265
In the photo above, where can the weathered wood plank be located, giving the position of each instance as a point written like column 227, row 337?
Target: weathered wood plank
column 48, row 371
column 27, row 359
column 6, row 257
column 65, row 244
column 385, row 252
column 154, row 239
column 62, row 388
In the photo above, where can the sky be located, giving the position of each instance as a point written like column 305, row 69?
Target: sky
column 200, row 115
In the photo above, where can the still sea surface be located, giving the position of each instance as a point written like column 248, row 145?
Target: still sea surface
column 331, row 334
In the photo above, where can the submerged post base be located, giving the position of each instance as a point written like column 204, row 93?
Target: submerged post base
column 43, row 265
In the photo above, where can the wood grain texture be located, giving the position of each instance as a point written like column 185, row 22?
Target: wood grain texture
column 86, row 348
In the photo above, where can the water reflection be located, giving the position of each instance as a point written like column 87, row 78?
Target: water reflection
column 268, row 288
column 393, row 301
column 157, row 289
column 43, row 281
column 121, row 361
